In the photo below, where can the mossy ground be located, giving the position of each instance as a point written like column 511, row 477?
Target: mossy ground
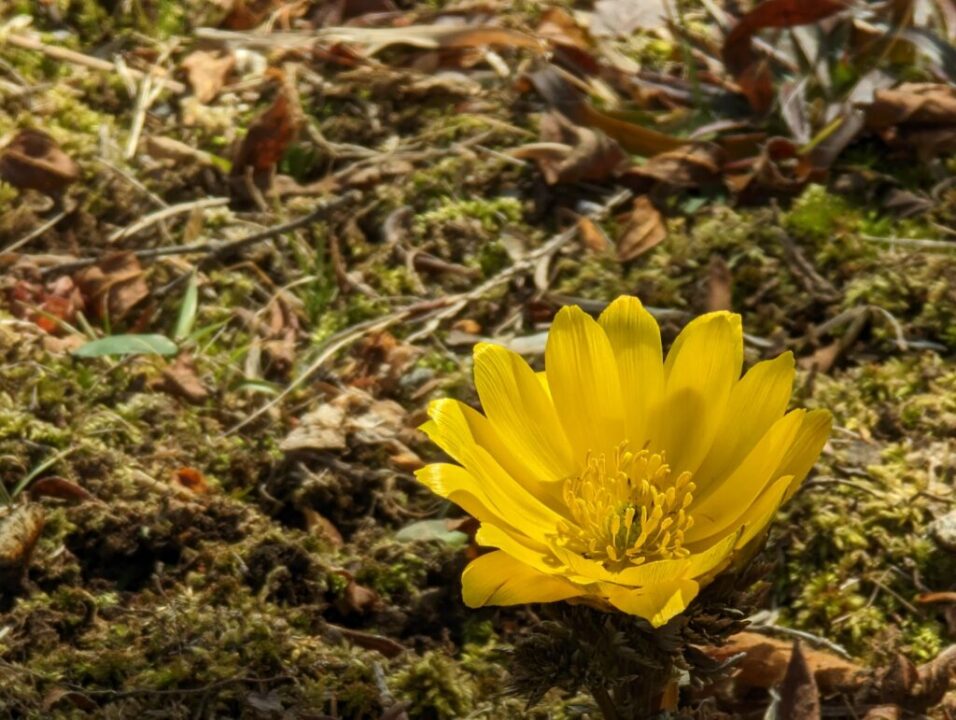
column 237, row 602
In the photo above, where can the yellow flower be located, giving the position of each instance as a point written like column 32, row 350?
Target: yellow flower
column 614, row 477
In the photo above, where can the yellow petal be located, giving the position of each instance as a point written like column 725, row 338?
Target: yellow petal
column 756, row 403
column 456, row 484
column 498, row 579
column 724, row 502
column 520, row 547
column 453, row 428
column 700, row 371
column 760, row 514
column 521, row 412
column 636, row 341
column 806, row 449
column 582, row 375
column 655, row 603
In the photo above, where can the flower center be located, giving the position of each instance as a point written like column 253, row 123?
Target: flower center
column 627, row 509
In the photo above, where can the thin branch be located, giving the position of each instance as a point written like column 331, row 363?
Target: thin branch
column 217, row 248
column 76, row 58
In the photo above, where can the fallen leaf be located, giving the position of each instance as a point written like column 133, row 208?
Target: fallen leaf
column 719, row 285
column 779, row 169
column 915, row 116
column 595, row 239
column 752, row 72
column 281, row 333
column 320, row 525
column 33, row 160
column 190, row 479
column 571, row 153
column 691, row 167
column 321, row 429
column 620, row 18
column 20, row 528
column 644, row 229
column 48, row 306
column 567, row 99
column 59, row 488
column 247, row 14
column 180, row 379
column 114, row 285
column 766, row 659
column 924, row 104
column 58, row 695
column 799, row 696
column 370, row 641
column 557, row 25
column 207, row 72
column 356, row 598
column 266, row 141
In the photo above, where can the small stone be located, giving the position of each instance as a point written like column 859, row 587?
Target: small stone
column 944, row 531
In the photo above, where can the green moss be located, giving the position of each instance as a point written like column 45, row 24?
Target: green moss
column 434, row 688
column 818, row 214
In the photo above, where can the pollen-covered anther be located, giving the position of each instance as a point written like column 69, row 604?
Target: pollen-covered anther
column 627, row 509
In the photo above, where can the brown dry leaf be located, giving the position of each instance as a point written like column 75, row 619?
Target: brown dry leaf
column 190, row 479
column 356, row 599
column 114, row 285
column 751, row 71
column 595, row 239
column 207, row 72
column 932, row 681
column 20, row 528
column 799, row 696
column 720, row 284
column 571, row 153
column 567, row 99
column 321, row 429
column 407, row 461
column 690, row 167
column 34, row 161
column 352, row 418
column 320, row 525
column 59, row 488
column 467, row 325
column 47, row 305
column 266, row 141
column 180, row 379
column 916, row 116
column 557, row 25
column 247, row 14
column 778, row 170
column 925, row 104
column 644, row 229
column 765, row 662
column 620, row 18
column 378, row 362
column 281, row 334
column 61, row 695
column 369, row 641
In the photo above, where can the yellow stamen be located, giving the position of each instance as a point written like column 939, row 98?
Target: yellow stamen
column 627, row 509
